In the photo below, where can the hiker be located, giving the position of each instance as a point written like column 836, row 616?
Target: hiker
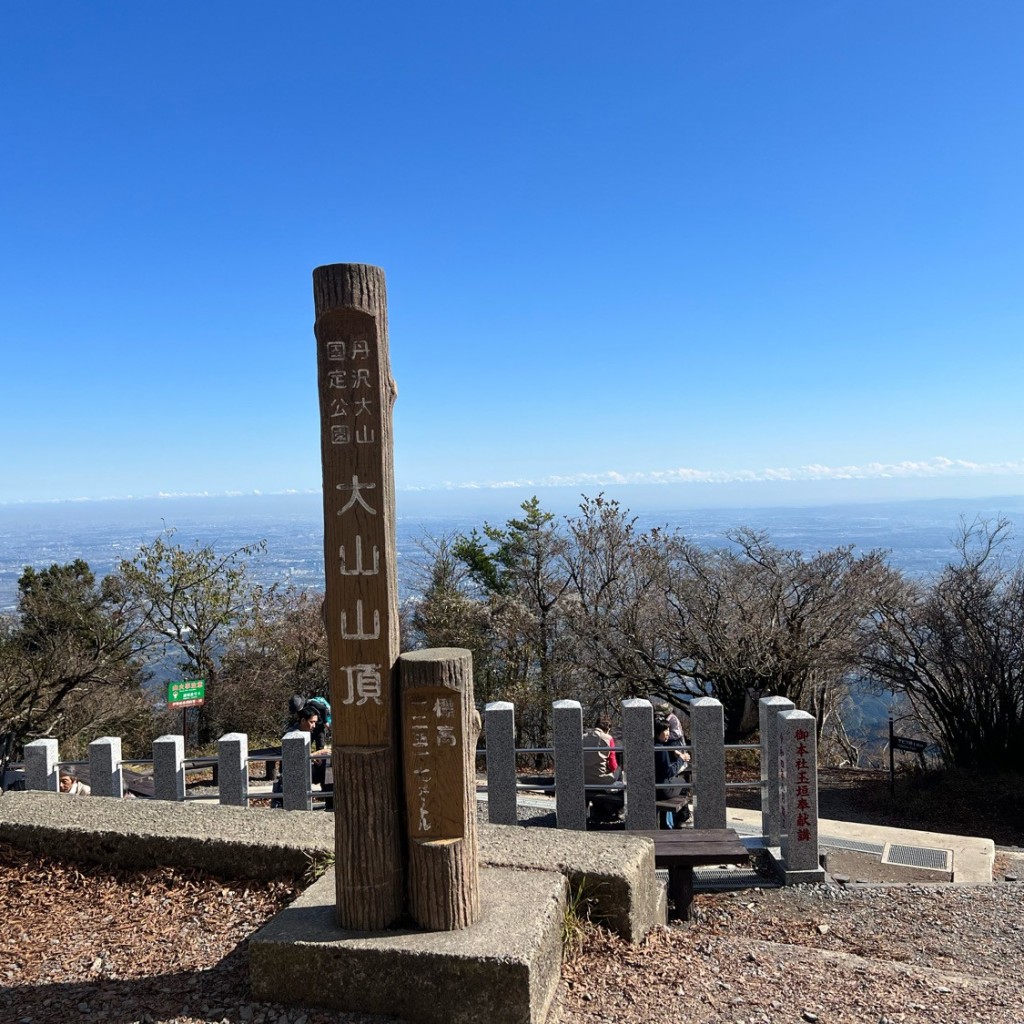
column 320, row 736
column 667, row 765
column 601, row 768
column 307, row 719
column 675, row 727
column 71, row 785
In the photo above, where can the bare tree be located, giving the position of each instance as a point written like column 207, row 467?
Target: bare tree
column 955, row 647
column 191, row 597
column 614, row 607
column 276, row 647
column 753, row 619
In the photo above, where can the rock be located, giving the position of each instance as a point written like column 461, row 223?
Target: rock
column 808, row 1016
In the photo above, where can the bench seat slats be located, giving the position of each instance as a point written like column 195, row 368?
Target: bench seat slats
column 681, row 850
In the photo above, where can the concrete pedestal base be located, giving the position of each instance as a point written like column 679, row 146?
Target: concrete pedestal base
column 808, row 876
column 504, row 969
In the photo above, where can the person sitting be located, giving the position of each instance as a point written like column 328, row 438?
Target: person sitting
column 675, row 736
column 667, row 765
column 601, row 768
column 320, row 711
column 675, row 727
column 71, row 785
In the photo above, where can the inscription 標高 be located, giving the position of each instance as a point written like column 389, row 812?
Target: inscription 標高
column 434, row 755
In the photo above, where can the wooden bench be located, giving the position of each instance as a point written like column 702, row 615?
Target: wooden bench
column 681, row 850
column 605, row 807
column 272, row 757
column 678, row 805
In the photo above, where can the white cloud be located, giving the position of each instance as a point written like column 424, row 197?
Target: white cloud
column 938, row 467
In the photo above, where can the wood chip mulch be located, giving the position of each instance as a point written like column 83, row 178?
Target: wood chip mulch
column 87, row 943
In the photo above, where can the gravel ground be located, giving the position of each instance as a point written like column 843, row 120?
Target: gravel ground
column 882, row 955
column 87, row 944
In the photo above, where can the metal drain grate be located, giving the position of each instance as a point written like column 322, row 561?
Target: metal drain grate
column 854, row 845
column 724, row 879
column 918, row 857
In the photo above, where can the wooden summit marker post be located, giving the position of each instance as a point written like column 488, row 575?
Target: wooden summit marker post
column 357, row 396
column 439, row 731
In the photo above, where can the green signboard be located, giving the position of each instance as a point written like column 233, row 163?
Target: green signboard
column 186, row 693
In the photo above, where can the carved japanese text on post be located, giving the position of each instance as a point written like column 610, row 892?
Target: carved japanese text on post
column 434, row 752
column 358, row 610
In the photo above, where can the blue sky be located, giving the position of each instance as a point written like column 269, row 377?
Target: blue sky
column 748, row 251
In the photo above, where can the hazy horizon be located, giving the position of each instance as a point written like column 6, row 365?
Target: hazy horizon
column 493, row 503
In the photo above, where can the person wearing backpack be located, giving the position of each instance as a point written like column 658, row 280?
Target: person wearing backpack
column 312, row 716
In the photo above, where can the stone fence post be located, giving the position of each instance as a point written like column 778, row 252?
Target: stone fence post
column 169, row 768
column 105, row 777
column 570, row 795
column 638, row 750
column 233, row 769
column 707, row 767
column 798, row 767
column 500, row 737
column 768, row 709
column 296, row 772
column 41, row 765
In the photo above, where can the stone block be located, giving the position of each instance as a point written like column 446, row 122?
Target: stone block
column 105, row 778
column 233, row 769
column 41, row 765
column 296, row 772
column 169, row 768
column 707, row 741
column 615, row 870
column 229, row 841
column 638, row 745
column 570, row 792
column 503, row 969
column 500, row 736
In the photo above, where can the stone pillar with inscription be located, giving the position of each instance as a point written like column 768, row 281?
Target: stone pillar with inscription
column 768, row 709
column 439, row 733
column 357, row 396
column 798, row 769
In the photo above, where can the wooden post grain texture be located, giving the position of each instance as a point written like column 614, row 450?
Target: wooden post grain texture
column 439, row 729
column 357, row 396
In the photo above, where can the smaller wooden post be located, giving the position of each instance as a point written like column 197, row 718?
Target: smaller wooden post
column 439, row 732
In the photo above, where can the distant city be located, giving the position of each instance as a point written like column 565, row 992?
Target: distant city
column 917, row 534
